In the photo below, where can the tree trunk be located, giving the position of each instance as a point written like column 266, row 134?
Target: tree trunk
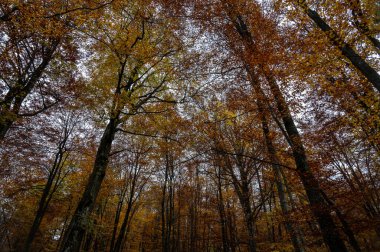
column 222, row 212
column 346, row 228
column 167, row 205
column 49, row 189
column 319, row 207
column 11, row 104
column 264, row 207
column 74, row 235
column 360, row 64
column 116, row 222
column 248, row 217
column 294, row 232
column 243, row 193
column 123, row 228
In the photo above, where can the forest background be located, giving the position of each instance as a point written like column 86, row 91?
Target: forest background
column 214, row 125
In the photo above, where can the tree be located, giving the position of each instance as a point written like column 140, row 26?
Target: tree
column 140, row 75
column 55, row 177
column 26, row 54
column 319, row 207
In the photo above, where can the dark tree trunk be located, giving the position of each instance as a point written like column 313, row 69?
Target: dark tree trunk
column 163, row 207
column 346, row 228
column 116, row 222
column 232, row 228
column 11, row 104
column 242, row 190
column 319, row 207
column 167, row 205
column 222, row 212
column 294, row 232
column 241, row 186
column 123, row 228
column 121, row 236
column 49, row 189
column 264, row 206
column 42, row 207
column 248, row 216
column 77, row 228
column 360, row 64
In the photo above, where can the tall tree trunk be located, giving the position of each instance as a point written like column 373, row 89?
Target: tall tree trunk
column 167, row 205
column 163, row 207
column 116, row 221
column 248, row 216
column 49, row 189
column 319, row 207
column 74, row 235
column 222, row 212
column 170, row 210
column 123, row 228
column 264, row 206
column 178, row 234
column 242, row 190
column 294, row 232
column 346, row 228
column 232, row 228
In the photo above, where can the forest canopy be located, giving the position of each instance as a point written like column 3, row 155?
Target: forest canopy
column 190, row 125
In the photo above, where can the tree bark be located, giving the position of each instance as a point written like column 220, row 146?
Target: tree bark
column 117, row 217
column 248, row 216
column 167, row 205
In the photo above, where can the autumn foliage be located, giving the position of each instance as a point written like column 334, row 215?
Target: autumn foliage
column 189, row 125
